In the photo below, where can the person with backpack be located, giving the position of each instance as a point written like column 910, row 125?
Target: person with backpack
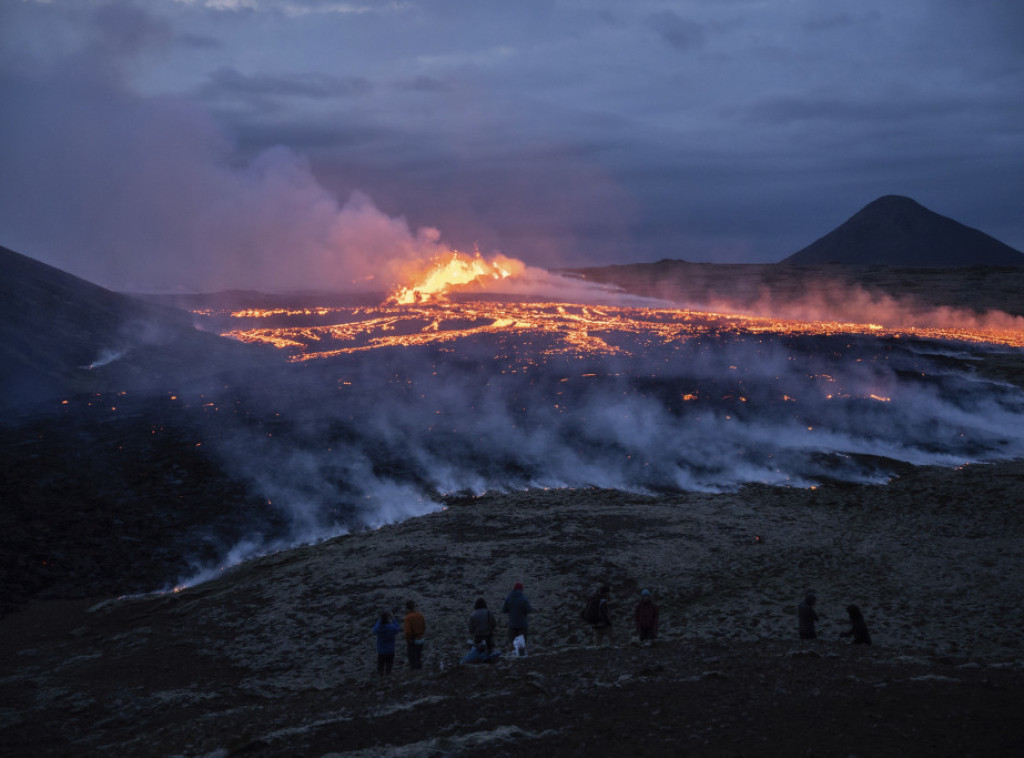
column 482, row 625
column 596, row 614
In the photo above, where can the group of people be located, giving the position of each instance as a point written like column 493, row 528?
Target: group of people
column 413, row 628
column 482, row 623
column 482, row 626
column 597, row 613
column 807, row 617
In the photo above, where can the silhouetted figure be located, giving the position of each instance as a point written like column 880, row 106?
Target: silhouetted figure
column 518, row 607
column 482, row 624
column 598, row 615
column 386, row 630
column 858, row 627
column 806, row 615
column 414, row 626
column 645, row 618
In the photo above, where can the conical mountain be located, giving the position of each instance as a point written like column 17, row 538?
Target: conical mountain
column 897, row 231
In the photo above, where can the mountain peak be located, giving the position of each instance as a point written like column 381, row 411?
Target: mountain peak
column 896, row 230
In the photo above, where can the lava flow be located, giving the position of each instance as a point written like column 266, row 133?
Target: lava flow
column 554, row 328
column 449, row 301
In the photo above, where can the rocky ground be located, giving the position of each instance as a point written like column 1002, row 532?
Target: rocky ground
column 276, row 657
column 109, row 493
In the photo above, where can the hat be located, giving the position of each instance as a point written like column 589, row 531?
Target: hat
column 645, row 593
column 518, row 586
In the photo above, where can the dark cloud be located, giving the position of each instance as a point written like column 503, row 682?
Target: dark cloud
column 425, row 84
column 125, row 29
column 198, row 42
column 784, row 110
column 229, row 82
column 228, row 89
column 680, row 33
column 829, row 22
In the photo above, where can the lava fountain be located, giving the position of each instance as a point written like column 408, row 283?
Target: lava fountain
column 450, row 271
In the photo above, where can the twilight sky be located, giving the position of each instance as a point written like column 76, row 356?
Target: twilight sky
column 205, row 144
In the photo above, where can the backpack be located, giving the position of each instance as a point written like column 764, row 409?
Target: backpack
column 591, row 613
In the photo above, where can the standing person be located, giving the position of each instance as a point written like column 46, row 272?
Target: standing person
column 858, row 627
column 597, row 614
column 414, row 627
column 518, row 607
column 386, row 630
column 806, row 615
column 482, row 624
column 645, row 618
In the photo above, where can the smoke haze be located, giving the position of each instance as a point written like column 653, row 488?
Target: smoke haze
column 373, row 437
column 151, row 193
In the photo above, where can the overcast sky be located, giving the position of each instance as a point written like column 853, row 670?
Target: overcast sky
column 204, row 144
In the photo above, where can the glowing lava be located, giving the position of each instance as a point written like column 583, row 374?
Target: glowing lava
column 437, row 309
column 451, row 271
column 547, row 328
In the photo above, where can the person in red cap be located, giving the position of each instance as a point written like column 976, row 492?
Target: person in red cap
column 518, row 607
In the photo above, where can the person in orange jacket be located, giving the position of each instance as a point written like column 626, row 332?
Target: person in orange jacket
column 414, row 627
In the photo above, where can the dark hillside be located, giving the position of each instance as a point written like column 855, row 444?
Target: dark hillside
column 63, row 335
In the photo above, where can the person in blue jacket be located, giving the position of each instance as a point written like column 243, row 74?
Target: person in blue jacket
column 387, row 630
column 518, row 607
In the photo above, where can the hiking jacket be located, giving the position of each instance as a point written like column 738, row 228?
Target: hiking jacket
column 481, row 623
column 517, row 606
column 646, row 617
column 386, row 634
column 414, row 626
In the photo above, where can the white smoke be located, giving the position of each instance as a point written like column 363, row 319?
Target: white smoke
column 821, row 300
column 153, row 193
column 380, row 437
column 106, row 356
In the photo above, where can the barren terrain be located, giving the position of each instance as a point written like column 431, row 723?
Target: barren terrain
column 276, row 657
